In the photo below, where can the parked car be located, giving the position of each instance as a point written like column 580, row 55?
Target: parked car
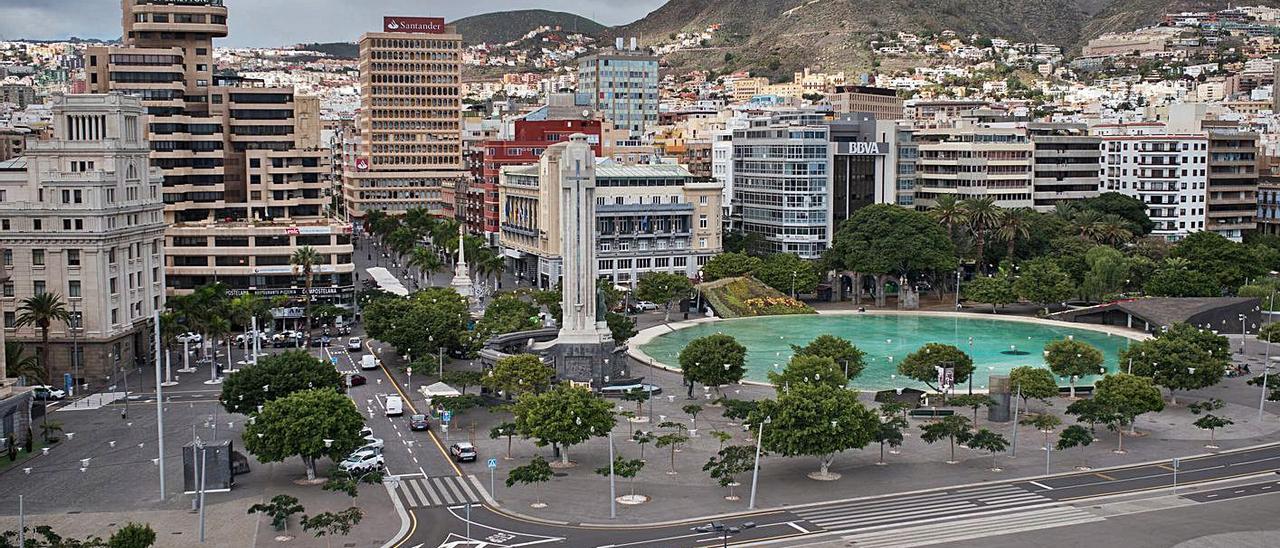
column 355, row 379
column 617, row 391
column 361, row 462
column 366, row 432
column 463, row 452
column 395, row 406
column 190, row 338
column 353, row 344
column 46, row 393
column 240, row 338
column 418, row 423
column 371, row 442
column 643, row 306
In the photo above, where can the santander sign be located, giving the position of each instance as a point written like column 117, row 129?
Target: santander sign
column 430, row 25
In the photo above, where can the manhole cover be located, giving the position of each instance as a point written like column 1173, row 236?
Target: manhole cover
column 560, row 474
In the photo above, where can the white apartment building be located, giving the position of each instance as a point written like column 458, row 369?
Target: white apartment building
column 82, row 217
column 780, row 182
column 1168, row 172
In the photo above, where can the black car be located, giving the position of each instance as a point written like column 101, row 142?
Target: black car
column 418, row 423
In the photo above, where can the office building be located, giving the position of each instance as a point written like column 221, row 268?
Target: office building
column 780, row 178
column 12, row 142
column 245, row 179
column 15, row 402
column 1168, row 172
column 17, row 94
column 883, row 103
column 622, row 83
column 408, row 152
column 649, row 217
column 968, row 160
column 82, row 218
column 1067, row 164
column 532, row 137
column 862, row 156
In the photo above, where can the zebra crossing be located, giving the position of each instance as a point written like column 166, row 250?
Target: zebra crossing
column 972, row 528
column 924, row 507
column 425, row 492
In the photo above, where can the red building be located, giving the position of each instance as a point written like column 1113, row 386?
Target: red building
column 531, row 138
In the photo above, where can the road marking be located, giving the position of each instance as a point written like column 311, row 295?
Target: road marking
column 797, row 527
column 1252, row 461
column 1041, row 485
column 1165, row 466
column 1103, row 476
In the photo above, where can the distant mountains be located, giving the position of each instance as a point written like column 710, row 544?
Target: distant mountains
column 506, row 26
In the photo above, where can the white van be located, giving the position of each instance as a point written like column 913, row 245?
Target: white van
column 395, row 406
column 368, row 362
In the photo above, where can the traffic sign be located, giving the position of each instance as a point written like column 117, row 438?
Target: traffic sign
column 492, row 463
column 1175, row 463
column 408, row 370
column 447, row 417
column 333, row 359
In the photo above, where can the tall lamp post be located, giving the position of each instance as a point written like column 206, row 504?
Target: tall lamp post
column 755, row 470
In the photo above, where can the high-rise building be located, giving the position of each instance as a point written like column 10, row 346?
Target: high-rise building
column 82, row 219
column 532, row 138
column 1168, row 172
column 623, row 84
column 1068, row 162
column 408, row 153
column 862, row 158
column 18, row 94
column 245, row 179
column 649, row 218
column 969, row 160
column 780, row 178
column 1232, row 193
column 883, row 103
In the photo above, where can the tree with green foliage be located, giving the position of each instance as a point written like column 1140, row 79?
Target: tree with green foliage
column 332, row 524
column 621, row 327
column 643, row 438
column 457, row 404
column 41, row 311
column 671, row 441
column 991, row 442
column 1072, row 359
column 1122, row 398
column 729, row 265
column 890, row 433
column 463, row 379
column 348, row 483
column 536, row 472
column 889, row 240
column 972, row 401
column 626, row 469
column 504, row 430
column 133, row 535
column 421, row 325
column 637, row 396
column 663, row 288
column 713, row 360
column 1210, row 421
column 274, row 377
column 692, row 410
column 817, row 420
column 1127, row 207
column 1034, row 383
column 994, row 290
column 922, row 364
column 1228, row 262
column 982, row 215
column 1090, row 410
column 1177, row 281
column 298, row 425
column 1182, row 357
column 1075, row 436
column 738, row 410
column 1108, row 273
column 788, row 273
column 563, row 417
column 737, row 241
column 1043, row 282
column 952, row 428
column 809, row 369
column 279, row 510
column 728, row 463
column 850, row 358
column 1272, row 382
column 1044, row 422
column 519, row 374
column 507, row 313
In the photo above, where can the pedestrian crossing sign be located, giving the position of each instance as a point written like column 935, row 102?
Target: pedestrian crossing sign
column 492, row 463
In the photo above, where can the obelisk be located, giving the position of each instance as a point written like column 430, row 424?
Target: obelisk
column 462, row 275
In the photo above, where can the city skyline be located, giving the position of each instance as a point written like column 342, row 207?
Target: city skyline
column 255, row 23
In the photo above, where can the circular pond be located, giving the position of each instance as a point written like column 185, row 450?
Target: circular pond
column 995, row 345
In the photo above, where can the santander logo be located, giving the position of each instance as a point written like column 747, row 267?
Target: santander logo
column 433, row 25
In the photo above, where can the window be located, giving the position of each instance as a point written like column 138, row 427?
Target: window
column 37, row 257
column 702, row 221
column 8, row 289
column 36, row 224
column 73, row 288
column 4, row 224
column 115, row 316
column 8, row 257
column 702, row 200
column 10, row 320
column 111, row 255
column 38, row 287
column 73, row 257
column 113, row 285
column 702, row 243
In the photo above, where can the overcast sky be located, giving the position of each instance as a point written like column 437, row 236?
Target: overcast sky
column 286, row 22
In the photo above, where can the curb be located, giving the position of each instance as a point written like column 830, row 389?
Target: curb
column 788, row 507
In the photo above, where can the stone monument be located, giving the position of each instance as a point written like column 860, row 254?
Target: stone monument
column 584, row 349
column 462, row 274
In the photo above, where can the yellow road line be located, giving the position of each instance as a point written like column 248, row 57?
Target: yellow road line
column 1104, row 476
column 1165, row 467
column 414, row 409
column 413, row 527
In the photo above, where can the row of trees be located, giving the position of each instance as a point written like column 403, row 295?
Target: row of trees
column 404, row 235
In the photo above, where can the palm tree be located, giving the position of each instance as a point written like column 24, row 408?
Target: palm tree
column 1016, row 227
column 373, row 220
column 19, row 364
column 41, row 311
column 170, row 328
column 490, row 264
column 1087, row 224
column 219, row 327
column 305, row 258
column 420, row 221
column 445, row 235
column 982, row 213
column 1114, row 230
column 948, row 212
column 426, row 261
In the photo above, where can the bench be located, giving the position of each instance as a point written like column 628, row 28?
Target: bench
column 930, row 413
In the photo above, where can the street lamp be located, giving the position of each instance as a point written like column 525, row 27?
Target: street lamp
column 755, row 471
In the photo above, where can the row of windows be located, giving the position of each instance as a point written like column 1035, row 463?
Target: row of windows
column 411, row 43
column 656, row 262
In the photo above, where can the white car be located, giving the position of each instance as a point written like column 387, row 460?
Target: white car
column 353, row 344
column 645, row 305
column 366, row 432
column 371, row 442
column 190, row 338
column 362, row 461
column 262, row 337
column 45, row 392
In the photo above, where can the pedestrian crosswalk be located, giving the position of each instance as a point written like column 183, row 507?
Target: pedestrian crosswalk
column 971, row 528
column 924, row 507
column 422, row 492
